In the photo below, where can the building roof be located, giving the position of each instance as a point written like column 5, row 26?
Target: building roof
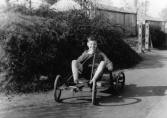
column 112, row 8
column 65, row 5
column 149, row 18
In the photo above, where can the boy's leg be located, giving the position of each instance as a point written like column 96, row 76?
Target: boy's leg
column 109, row 67
column 99, row 71
column 75, row 70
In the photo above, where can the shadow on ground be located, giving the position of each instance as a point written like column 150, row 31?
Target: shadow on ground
column 133, row 90
column 131, row 93
column 151, row 61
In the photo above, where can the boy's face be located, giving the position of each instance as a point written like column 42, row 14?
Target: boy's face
column 92, row 45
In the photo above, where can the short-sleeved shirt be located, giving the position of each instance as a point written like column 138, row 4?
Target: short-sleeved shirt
column 86, row 59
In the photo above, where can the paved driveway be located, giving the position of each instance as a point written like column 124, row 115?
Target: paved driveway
column 144, row 96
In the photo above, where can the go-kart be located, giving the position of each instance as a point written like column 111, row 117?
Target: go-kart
column 116, row 81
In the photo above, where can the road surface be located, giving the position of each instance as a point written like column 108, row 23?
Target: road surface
column 144, row 96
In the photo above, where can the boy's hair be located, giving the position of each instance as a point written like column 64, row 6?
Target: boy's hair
column 91, row 38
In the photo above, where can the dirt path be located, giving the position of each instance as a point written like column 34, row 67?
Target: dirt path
column 144, row 96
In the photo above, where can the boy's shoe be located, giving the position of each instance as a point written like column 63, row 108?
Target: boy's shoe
column 77, row 87
column 74, row 89
column 64, row 86
column 76, row 82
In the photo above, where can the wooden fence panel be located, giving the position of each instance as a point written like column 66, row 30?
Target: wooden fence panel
column 127, row 21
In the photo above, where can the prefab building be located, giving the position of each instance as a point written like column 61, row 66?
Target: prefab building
column 158, row 25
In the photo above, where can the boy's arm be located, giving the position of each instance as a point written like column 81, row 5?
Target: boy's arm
column 82, row 57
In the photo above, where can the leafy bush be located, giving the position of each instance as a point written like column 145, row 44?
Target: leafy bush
column 38, row 46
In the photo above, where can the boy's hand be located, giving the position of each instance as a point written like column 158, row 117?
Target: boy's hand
column 109, row 66
column 91, row 82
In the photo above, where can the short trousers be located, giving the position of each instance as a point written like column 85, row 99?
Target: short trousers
column 85, row 71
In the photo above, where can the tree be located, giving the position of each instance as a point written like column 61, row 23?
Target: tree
column 84, row 3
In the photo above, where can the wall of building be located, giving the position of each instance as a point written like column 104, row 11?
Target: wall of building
column 162, row 25
column 126, row 21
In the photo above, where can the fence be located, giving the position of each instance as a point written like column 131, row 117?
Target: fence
column 125, row 20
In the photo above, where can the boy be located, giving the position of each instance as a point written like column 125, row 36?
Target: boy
column 92, row 56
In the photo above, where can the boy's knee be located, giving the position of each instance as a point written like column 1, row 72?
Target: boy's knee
column 103, row 63
column 109, row 67
column 74, row 62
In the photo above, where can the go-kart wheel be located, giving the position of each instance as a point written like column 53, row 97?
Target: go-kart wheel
column 57, row 90
column 115, row 82
column 121, row 77
column 94, row 90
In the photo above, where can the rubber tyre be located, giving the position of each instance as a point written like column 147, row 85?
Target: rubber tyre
column 122, row 75
column 57, row 91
